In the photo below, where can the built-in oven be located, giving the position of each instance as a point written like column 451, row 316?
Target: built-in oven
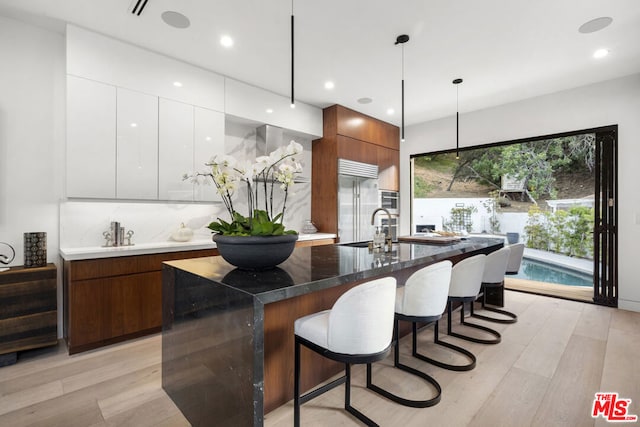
column 389, row 200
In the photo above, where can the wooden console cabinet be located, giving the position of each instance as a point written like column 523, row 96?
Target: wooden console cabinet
column 28, row 309
column 108, row 300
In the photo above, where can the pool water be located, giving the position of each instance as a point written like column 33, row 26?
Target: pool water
column 543, row 272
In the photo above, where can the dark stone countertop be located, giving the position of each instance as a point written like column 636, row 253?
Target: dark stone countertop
column 314, row 268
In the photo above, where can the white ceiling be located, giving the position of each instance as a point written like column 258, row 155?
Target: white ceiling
column 505, row 50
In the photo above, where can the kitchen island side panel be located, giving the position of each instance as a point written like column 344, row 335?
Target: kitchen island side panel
column 208, row 352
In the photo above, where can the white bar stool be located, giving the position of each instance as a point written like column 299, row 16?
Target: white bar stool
column 493, row 277
column 466, row 279
column 423, row 299
column 515, row 258
column 358, row 329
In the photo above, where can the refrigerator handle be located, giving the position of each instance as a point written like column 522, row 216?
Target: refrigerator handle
column 356, row 210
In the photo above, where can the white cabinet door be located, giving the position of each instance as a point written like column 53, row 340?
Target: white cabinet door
column 175, row 150
column 253, row 103
column 208, row 141
column 91, row 139
column 137, row 145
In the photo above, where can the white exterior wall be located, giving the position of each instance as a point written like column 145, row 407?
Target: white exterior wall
column 606, row 103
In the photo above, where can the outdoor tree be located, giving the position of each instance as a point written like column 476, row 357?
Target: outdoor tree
column 534, row 162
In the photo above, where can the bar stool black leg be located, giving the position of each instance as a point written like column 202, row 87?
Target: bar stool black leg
column 396, row 362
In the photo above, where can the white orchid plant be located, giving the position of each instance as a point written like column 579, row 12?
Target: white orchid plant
column 278, row 169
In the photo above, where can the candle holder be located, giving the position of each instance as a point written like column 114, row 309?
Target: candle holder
column 35, row 249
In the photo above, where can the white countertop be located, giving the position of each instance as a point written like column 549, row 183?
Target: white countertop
column 75, row 254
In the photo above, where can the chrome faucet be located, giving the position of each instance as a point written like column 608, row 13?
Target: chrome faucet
column 387, row 237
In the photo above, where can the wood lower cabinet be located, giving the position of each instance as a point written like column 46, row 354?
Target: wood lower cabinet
column 28, row 309
column 114, row 299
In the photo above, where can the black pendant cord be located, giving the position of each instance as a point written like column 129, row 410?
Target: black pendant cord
column 402, row 136
column 457, row 82
column 402, row 39
column 457, row 135
column 293, row 104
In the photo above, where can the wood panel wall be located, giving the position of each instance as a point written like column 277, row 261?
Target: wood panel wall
column 355, row 136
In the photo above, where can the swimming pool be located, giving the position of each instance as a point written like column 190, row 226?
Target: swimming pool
column 543, row 272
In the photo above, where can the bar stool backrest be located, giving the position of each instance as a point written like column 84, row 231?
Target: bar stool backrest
column 426, row 291
column 466, row 276
column 361, row 320
column 496, row 266
column 515, row 258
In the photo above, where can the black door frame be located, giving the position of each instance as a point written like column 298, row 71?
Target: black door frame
column 605, row 272
column 605, row 239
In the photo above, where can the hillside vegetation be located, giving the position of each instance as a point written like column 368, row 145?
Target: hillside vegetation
column 551, row 169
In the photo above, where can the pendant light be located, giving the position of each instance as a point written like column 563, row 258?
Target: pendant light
column 402, row 39
column 293, row 102
column 457, row 83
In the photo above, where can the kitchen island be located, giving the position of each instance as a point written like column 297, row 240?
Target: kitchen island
column 227, row 336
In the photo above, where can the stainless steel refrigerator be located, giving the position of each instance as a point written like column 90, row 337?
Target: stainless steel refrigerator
column 357, row 199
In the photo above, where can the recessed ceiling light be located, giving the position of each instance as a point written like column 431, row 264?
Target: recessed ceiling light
column 390, row 111
column 600, row 53
column 208, row 138
column 595, row 25
column 226, row 41
column 269, row 110
column 177, row 84
column 134, row 125
column 175, row 19
column 365, row 100
column 329, row 85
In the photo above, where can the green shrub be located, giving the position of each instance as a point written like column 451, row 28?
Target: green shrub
column 565, row 232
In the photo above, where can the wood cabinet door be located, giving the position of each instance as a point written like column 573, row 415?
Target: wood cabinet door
column 142, row 302
column 354, row 149
column 107, row 308
column 362, row 127
column 89, row 304
column 388, row 169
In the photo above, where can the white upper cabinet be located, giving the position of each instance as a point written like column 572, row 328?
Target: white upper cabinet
column 137, row 146
column 260, row 105
column 91, row 139
column 105, row 59
column 208, row 142
column 138, row 121
column 175, row 150
column 189, row 137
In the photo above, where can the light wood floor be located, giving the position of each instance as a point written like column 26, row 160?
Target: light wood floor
column 581, row 293
column 544, row 373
